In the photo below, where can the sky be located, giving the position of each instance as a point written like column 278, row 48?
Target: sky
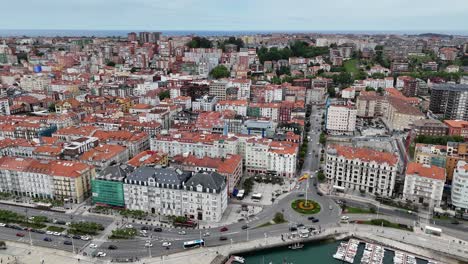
column 238, row 15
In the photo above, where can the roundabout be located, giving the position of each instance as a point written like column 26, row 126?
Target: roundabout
column 303, row 206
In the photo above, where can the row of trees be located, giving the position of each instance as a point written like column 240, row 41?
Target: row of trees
column 297, row 49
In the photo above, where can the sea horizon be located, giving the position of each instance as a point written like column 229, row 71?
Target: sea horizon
column 123, row 33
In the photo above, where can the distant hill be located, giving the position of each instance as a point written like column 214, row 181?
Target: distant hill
column 435, row 35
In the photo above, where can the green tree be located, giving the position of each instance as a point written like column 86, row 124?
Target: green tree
column 231, row 40
column 220, row 71
column 52, row 108
column 164, row 94
column 110, row 64
column 323, row 138
column 321, row 176
column 279, row 218
column 199, row 42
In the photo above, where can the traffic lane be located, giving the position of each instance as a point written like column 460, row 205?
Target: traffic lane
column 38, row 239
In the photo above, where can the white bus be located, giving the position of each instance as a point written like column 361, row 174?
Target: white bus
column 433, row 230
column 256, row 197
column 194, row 243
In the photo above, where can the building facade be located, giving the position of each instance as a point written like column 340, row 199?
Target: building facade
column 361, row 169
column 460, row 186
column 450, row 101
column 424, row 184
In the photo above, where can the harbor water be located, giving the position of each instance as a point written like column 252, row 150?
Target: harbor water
column 311, row 253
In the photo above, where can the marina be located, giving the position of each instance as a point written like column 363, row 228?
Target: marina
column 334, row 252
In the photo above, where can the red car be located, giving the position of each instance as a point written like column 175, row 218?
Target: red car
column 223, row 229
column 19, row 234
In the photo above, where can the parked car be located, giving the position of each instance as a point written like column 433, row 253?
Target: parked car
column 182, row 232
column 48, row 239
column 76, row 237
column 145, row 228
column 311, row 218
column 2, row 224
column 315, row 220
column 157, row 229
column 66, row 242
column 92, row 246
column 245, row 227
column 85, row 238
column 222, row 238
column 223, row 229
column 19, row 234
column 112, row 247
column 292, row 228
column 57, row 234
column 206, row 234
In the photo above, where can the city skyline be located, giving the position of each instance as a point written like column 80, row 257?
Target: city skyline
column 362, row 15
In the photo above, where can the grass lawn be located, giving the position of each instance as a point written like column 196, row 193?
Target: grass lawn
column 351, row 66
column 355, row 210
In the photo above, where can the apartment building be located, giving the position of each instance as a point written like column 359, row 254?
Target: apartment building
column 361, row 169
column 460, row 186
column 46, row 179
column 456, row 151
column 341, row 119
column 200, row 145
column 204, row 103
column 105, row 155
column 424, row 184
column 218, row 88
column 400, row 115
column 169, row 191
column 450, row 101
column 265, row 156
column 229, row 166
column 239, row 106
column 429, row 127
column 457, row 128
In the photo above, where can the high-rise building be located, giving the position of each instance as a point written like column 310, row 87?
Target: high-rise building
column 450, row 101
column 132, row 36
column 460, row 186
column 341, row 119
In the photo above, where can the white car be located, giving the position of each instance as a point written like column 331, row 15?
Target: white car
column 166, row 244
column 49, row 233
column 345, row 217
column 182, row 232
column 85, row 238
column 207, row 234
column 2, row 224
column 92, row 246
column 57, row 234
column 143, row 231
column 128, row 226
column 100, row 254
column 148, row 244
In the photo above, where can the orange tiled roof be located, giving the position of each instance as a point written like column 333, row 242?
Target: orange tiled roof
column 426, row 171
column 365, row 154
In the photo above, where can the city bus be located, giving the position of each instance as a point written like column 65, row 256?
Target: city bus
column 194, row 243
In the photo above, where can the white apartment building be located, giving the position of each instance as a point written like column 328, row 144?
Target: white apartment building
column 35, row 82
column 205, row 103
column 4, row 107
column 460, row 186
column 218, row 88
column 46, row 179
column 239, row 106
column 168, row 191
column 341, row 119
column 363, row 169
column 265, row 156
column 200, row 145
column 244, row 88
column 424, row 184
